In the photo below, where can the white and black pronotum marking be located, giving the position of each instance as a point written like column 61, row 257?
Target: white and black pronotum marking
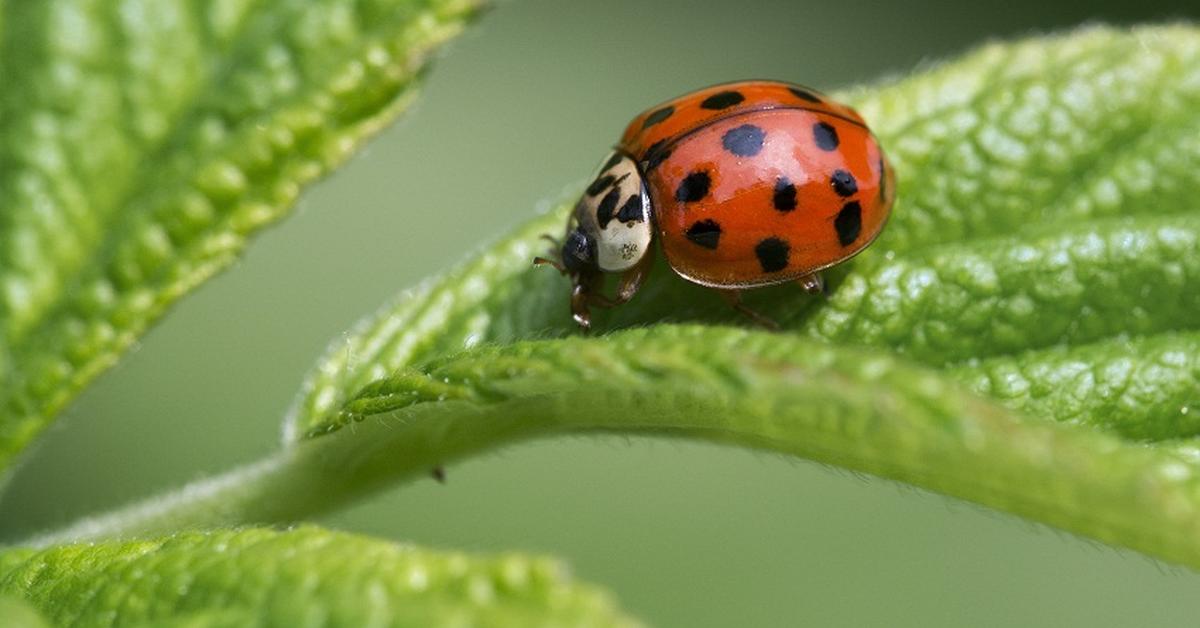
column 613, row 216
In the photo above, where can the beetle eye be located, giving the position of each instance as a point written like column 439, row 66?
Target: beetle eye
column 578, row 252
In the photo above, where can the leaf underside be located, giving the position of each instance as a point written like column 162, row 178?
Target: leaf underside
column 145, row 140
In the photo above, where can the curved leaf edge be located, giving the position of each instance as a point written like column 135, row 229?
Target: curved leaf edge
column 851, row 408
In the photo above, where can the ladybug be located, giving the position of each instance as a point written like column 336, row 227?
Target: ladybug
column 745, row 184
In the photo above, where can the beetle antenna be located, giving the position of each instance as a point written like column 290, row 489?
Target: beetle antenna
column 541, row 261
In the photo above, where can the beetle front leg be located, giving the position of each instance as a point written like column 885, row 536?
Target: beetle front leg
column 580, row 298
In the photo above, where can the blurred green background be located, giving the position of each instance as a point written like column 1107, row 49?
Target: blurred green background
column 514, row 116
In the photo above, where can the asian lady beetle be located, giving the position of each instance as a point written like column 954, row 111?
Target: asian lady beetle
column 746, row 184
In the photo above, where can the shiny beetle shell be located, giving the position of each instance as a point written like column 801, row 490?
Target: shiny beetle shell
column 759, row 183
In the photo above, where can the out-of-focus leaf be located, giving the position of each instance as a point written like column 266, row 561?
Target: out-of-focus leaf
column 143, row 141
column 301, row 577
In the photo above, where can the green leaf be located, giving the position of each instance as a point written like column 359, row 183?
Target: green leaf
column 16, row 613
column 850, row 407
column 143, row 141
column 301, row 577
column 1044, row 252
column 1142, row 388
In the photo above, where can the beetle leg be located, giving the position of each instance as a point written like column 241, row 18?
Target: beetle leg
column 632, row 279
column 551, row 255
column 579, row 306
column 630, row 282
column 734, row 298
column 812, row 284
column 543, row 261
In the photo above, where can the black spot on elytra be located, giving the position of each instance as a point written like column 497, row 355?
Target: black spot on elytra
column 600, row 184
column 693, row 187
column 744, row 141
column 722, row 100
column 658, row 116
column 656, row 154
column 804, row 94
column 612, row 161
column 825, row 136
column 785, row 195
column 848, row 223
column 604, row 211
column 631, row 210
column 706, row 233
column 843, row 183
column 772, row 254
